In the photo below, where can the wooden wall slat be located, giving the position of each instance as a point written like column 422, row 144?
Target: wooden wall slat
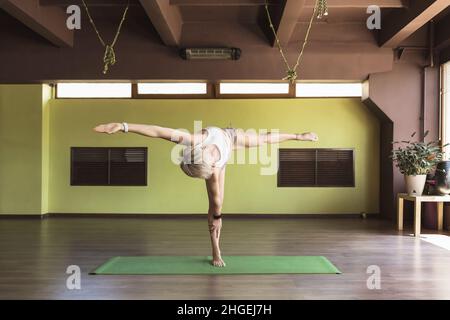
column 316, row 168
column 108, row 166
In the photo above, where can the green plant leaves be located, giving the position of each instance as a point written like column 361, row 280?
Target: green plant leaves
column 417, row 157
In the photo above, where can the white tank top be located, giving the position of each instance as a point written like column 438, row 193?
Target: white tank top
column 218, row 137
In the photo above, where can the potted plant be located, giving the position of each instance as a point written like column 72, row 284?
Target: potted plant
column 415, row 160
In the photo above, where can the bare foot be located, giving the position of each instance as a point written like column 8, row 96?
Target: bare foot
column 218, row 262
column 108, row 128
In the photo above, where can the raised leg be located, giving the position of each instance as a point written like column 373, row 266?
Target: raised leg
column 440, row 217
column 417, row 217
column 400, row 213
column 251, row 138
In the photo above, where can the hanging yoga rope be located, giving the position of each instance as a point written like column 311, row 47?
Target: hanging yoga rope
column 109, row 59
column 321, row 9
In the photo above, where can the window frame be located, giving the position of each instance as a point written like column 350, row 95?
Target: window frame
column 218, row 95
column 94, row 98
column 329, row 83
column 213, row 91
column 444, row 91
column 208, row 95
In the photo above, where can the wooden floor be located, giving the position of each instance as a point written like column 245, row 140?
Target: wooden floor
column 34, row 255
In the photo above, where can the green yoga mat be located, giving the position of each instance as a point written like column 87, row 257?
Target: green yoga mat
column 188, row 265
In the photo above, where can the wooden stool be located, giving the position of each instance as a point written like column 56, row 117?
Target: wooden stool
column 417, row 209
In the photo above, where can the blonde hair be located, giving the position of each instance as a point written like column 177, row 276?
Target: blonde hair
column 193, row 165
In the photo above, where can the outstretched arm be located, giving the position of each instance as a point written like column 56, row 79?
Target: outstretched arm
column 152, row 131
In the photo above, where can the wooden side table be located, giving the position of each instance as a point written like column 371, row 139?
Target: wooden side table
column 417, row 209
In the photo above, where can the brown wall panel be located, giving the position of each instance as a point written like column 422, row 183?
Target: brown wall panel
column 401, row 95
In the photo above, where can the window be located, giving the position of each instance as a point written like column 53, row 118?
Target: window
column 316, row 168
column 93, row 90
column 253, row 88
column 108, row 166
column 328, row 90
column 172, row 88
column 207, row 90
column 445, row 102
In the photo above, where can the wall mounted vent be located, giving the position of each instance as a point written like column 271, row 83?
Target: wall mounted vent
column 210, row 53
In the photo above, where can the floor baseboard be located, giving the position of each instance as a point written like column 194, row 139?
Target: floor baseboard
column 23, row 216
column 190, row 215
column 202, row 215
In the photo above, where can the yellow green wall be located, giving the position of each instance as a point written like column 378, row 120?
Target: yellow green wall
column 340, row 123
column 36, row 134
column 24, row 149
column 45, row 164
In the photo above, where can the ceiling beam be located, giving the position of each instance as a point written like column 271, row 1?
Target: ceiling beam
column 308, row 3
column 442, row 33
column 444, row 55
column 221, row 2
column 361, row 3
column 48, row 22
column 289, row 19
column 166, row 19
column 399, row 25
column 90, row 3
column 284, row 18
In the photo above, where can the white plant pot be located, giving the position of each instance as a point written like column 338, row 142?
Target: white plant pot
column 415, row 184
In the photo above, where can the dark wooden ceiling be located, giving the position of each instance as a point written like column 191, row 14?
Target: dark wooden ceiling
column 401, row 18
column 239, row 23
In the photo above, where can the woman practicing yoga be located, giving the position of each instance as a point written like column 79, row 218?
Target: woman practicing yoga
column 205, row 157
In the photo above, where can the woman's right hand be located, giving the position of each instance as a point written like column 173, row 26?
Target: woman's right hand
column 108, row 128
